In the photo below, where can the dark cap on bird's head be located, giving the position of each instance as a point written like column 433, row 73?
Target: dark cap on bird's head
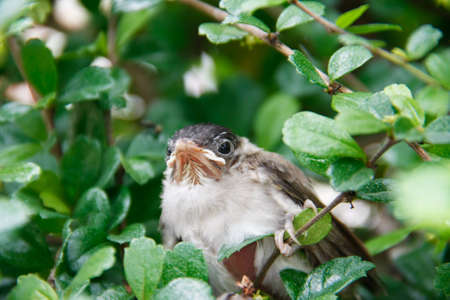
column 201, row 150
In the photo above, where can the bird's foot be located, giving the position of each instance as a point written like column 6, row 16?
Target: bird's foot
column 309, row 204
column 285, row 248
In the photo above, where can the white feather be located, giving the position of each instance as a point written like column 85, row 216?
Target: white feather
column 226, row 212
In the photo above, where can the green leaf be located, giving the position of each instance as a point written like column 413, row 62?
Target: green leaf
column 115, row 293
column 102, row 260
column 378, row 190
column 422, row 40
column 81, row 165
column 39, row 67
column 50, row 190
column 430, row 182
column 442, row 281
column 386, row 241
column 114, row 96
column 120, row 207
column 46, row 101
column 24, row 250
column 91, row 5
column 17, row 153
column 11, row 111
column 220, row 33
column 32, row 125
column 347, row 59
column 139, row 169
column 306, row 68
column 372, row 28
column 316, row 232
column 438, row 64
column 120, row 6
column 246, row 19
column 292, row 16
column 236, row 7
column 227, row 250
column 87, row 84
column 130, row 232
column 319, row 136
column 130, row 24
column 438, row 150
column 270, row 119
column 404, row 129
column 143, row 264
column 316, row 164
column 110, row 164
column 397, row 90
column 438, row 132
column 13, row 214
column 31, row 287
column 349, row 17
column 82, row 243
column 184, row 261
column 434, row 100
column 93, row 209
column 377, row 104
column 349, row 174
column 357, row 122
column 19, row 172
column 402, row 100
column 293, row 280
column 351, row 39
column 332, row 276
column 185, row 288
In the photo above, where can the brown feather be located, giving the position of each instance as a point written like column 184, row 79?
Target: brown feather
column 340, row 241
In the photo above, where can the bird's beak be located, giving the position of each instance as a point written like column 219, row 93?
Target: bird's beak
column 192, row 162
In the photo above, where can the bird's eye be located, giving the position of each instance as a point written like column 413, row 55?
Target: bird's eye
column 169, row 152
column 226, row 147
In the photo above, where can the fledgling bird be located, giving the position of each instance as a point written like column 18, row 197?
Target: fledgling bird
column 220, row 189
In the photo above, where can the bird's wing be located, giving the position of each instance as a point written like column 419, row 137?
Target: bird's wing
column 340, row 241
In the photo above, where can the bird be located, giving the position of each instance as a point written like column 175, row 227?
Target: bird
column 221, row 189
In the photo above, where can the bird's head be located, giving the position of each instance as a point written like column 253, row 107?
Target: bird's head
column 201, row 151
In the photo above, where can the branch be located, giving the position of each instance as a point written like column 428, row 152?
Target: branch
column 268, row 38
column 345, row 196
column 419, row 150
column 333, row 28
column 387, row 144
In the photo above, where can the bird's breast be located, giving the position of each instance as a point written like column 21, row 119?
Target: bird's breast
column 227, row 211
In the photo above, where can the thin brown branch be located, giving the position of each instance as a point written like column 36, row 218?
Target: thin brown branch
column 395, row 59
column 419, row 150
column 268, row 38
column 47, row 114
column 345, row 196
column 386, row 146
column 112, row 33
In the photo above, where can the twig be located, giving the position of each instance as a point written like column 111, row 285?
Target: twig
column 268, row 38
column 345, row 196
column 419, row 150
column 112, row 30
column 47, row 114
column 387, row 144
column 333, row 28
